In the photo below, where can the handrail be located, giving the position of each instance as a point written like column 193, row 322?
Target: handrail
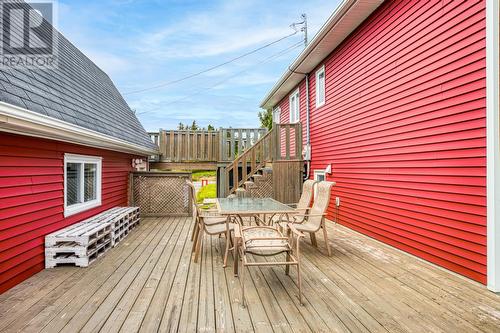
column 282, row 143
column 260, row 153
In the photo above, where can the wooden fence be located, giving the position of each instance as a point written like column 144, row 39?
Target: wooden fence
column 204, row 146
column 160, row 193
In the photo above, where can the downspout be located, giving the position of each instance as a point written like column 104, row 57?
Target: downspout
column 308, row 134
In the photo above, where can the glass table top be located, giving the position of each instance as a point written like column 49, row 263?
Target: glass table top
column 251, row 205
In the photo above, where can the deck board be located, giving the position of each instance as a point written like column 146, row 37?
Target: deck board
column 149, row 283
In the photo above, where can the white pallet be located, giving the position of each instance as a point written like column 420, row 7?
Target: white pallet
column 72, row 258
column 83, row 233
column 83, row 242
column 77, row 249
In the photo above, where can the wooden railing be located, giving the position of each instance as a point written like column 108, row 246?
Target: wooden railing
column 282, row 143
column 250, row 162
column 234, row 141
column 223, row 145
column 188, row 146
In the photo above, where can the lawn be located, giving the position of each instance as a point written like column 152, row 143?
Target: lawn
column 208, row 191
column 198, row 174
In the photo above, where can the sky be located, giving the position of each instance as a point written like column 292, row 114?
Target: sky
column 146, row 43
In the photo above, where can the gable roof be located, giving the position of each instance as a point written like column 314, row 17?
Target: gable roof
column 75, row 93
column 344, row 20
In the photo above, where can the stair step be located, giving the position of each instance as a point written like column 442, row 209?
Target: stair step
column 249, row 184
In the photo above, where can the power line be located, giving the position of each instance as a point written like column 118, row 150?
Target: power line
column 267, row 59
column 210, row 68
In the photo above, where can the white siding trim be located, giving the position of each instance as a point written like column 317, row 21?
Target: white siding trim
column 17, row 120
column 493, row 145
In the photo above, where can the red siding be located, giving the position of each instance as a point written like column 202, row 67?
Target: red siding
column 404, row 129
column 32, row 202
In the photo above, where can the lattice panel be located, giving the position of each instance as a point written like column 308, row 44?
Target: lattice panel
column 263, row 187
column 161, row 195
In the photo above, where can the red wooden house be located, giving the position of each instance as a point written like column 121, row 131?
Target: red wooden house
column 67, row 141
column 399, row 102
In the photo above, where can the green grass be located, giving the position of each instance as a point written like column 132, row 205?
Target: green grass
column 208, row 191
column 198, row 174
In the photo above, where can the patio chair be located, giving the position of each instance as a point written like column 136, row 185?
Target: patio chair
column 314, row 220
column 211, row 216
column 210, row 225
column 269, row 241
column 304, row 204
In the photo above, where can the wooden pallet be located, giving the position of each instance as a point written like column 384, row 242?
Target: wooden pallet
column 125, row 219
column 66, row 256
column 81, row 243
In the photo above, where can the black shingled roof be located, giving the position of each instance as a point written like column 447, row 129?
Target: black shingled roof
column 77, row 92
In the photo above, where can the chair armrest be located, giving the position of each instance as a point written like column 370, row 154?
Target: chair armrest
column 295, row 231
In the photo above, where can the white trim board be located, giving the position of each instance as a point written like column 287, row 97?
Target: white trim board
column 493, row 145
column 17, row 120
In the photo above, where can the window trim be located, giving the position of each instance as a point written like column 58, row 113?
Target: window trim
column 80, row 207
column 316, row 173
column 320, row 71
column 277, row 112
column 296, row 92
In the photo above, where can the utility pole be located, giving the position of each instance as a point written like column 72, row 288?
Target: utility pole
column 303, row 27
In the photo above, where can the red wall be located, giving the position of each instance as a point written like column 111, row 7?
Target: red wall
column 32, row 200
column 404, row 129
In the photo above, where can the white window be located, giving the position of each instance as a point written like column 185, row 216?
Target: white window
column 294, row 107
column 320, row 87
column 82, row 183
column 319, row 175
column 277, row 115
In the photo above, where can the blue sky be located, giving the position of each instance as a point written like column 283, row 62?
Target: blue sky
column 145, row 43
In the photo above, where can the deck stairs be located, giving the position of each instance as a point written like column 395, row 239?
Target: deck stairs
column 259, row 185
column 251, row 174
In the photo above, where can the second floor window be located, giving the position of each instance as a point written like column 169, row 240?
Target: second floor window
column 277, row 115
column 294, row 107
column 320, row 87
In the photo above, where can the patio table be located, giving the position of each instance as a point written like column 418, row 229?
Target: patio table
column 240, row 207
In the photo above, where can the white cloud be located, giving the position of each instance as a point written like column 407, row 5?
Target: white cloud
column 108, row 62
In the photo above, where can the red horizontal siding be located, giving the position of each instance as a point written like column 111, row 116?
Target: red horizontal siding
column 404, row 129
column 32, row 202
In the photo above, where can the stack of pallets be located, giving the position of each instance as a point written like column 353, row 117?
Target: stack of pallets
column 82, row 243
column 124, row 220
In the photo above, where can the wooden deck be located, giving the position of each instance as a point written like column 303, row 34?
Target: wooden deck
column 148, row 283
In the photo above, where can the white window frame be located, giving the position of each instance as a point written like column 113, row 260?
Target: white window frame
column 80, row 207
column 294, row 116
column 277, row 115
column 317, row 173
column 318, row 73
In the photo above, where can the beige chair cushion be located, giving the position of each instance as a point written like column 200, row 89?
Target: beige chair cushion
column 306, row 227
column 264, row 246
column 220, row 228
column 209, row 220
